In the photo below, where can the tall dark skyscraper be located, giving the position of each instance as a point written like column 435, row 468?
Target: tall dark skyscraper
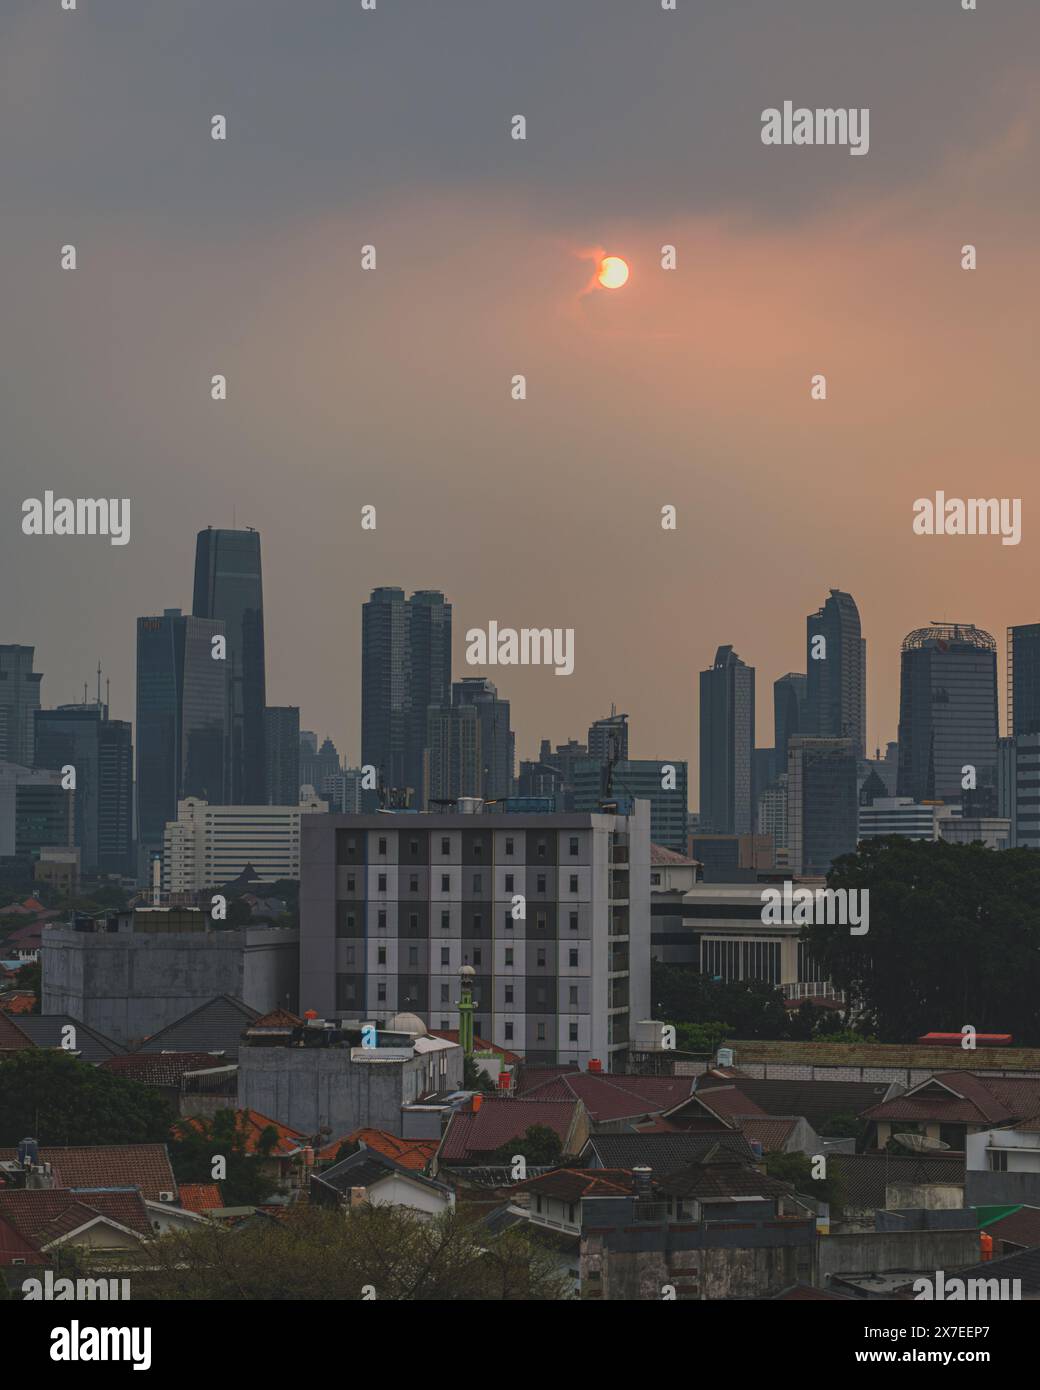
column 283, row 754
column 19, row 701
column 836, row 689
column 182, row 718
column 789, row 718
column 822, row 805
column 948, row 715
column 609, row 737
column 405, row 670
column 1023, row 677
column 496, row 758
column 727, row 741
column 229, row 587
column 101, row 751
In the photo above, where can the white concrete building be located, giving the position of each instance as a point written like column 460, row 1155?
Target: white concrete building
column 207, row 846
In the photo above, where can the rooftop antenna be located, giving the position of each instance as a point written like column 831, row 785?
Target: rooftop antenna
column 99, row 681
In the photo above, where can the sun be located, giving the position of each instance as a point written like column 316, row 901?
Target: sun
column 612, row 272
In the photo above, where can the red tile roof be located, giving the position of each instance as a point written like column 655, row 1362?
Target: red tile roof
column 18, row 1002
column 254, row 1124
column 413, row 1154
column 960, row 1097
column 14, row 1246
column 571, row 1184
column 728, row 1101
column 12, row 1039
column 472, row 1135
column 659, row 854
column 608, row 1097
column 41, row 1215
column 161, row 1068
column 771, row 1131
column 144, row 1166
column 200, row 1196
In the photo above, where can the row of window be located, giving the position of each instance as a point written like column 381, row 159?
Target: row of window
column 541, row 846
column 540, row 921
column 541, row 883
column 476, row 952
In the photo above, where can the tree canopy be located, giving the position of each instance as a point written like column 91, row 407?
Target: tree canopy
column 48, row 1095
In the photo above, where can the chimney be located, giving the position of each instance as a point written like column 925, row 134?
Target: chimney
column 642, row 1176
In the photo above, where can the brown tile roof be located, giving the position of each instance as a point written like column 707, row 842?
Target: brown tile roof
column 571, row 1184
column 473, row 1133
column 607, row 1097
column 254, row 1125
column 12, row 1039
column 718, row 1176
column 659, row 854
column 277, row 1018
column 18, row 1002
column 13, row 1245
column 161, row 1068
column 771, row 1131
column 961, row 1098
column 144, row 1166
column 728, row 1102
column 200, row 1196
column 45, row 1214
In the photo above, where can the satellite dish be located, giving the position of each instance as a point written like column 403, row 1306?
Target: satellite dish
column 920, row 1143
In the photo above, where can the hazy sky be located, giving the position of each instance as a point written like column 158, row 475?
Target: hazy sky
column 392, row 387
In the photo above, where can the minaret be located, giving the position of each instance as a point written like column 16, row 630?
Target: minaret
column 466, row 1006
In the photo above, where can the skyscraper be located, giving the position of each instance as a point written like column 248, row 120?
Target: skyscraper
column 727, row 740
column 182, row 714
column 405, row 669
column 101, row 751
column 19, row 701
column 789, row 717
column 497, row 759
column 229, row 587
column 282, row 747
column 609, row 737
column 948, row 716
column 836, row 685
column 822, row 802
column 1023, row 678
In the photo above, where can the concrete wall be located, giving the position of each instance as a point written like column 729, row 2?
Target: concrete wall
column 308, row 1087
column 881, row 1252
column 999, row 1189
column 128, row 985
column 733, row 1272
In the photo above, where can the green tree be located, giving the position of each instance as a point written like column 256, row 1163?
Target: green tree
column 954, row 938
column 194, row 1144
column 681, row 994
column 701, row 1037
column 321, row 1254
column 475, row 1079
column 797, row 1169
column 845, row 1125
column 540, row 1145
column 49, row 1095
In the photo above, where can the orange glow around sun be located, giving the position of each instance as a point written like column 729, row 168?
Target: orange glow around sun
column 612, row 272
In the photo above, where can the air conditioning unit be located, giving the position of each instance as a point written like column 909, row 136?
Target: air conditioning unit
column 166, row 1196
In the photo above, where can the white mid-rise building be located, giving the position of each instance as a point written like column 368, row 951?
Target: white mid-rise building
column 207, row 846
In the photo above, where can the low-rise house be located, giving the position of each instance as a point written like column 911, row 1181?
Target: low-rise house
column 106, row 1225
column 192, row 1082
column 214, row 1027
column 1003, row 1163
column 871, row 1182
column 662, row 1153
column 951, row 1106
column 370, row 1177
column 90, row 1168
column 54, row 1031
column 475, row 1134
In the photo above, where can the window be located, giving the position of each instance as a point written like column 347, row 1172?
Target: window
column 572, row 1032
column 572, row 1213
column 509, row 994
column 478, row 921
column 573, row 995
column 444, row 994
column 445, row 1023
column 655, row 880
column 350, row 955
column 541, row 1038
column 541, row 955
column 509, row 844
column 381, row 919
column 445, row 845
column 509, row 921
column 509, row 1032
column 574, row 883
column 539, row 921
column 478, row 882
column 413, row 955
column 539, row 995
column 382, row 844
column 413, row 883
column 998, row 1161
column 509, row 955
column 381, row 957
column 413, row 921
column 478, row 850
column 413, row 846
column 381, row 992
column 574, row 845
column 382, row 883
column 541, row 883
column 351, row 883
column 476, row 956
column 542, row 849
column 445, row 883
column 573, row 958
column 509, row 882
column 574, row 921
column 538, row 1204
column 445, row 957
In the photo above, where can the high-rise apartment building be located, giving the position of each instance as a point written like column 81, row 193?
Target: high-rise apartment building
column 182, row 718
column 836, row 666
column 470, row 743
column 661, row 781
column 608, row 738
column 229, row 588
column 19, row 701
column 209, row 846
column 948, row 717
column 789, row 714
column 1023, row 679
column 727, row 741
column 551, row 911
